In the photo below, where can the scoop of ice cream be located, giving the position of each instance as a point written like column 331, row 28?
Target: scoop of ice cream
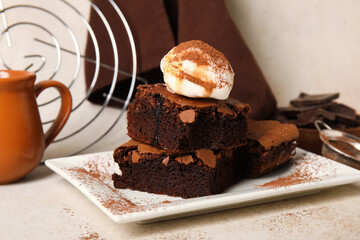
column 195, row 69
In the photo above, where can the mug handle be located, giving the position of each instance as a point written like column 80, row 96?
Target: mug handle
column 65, row 109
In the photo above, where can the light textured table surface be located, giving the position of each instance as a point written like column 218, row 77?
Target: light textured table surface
column 45, row 206
column 311, row 44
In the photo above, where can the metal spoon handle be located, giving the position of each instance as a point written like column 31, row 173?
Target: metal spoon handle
column 319, row 124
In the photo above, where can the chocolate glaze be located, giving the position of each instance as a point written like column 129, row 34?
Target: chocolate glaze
column 271, row 133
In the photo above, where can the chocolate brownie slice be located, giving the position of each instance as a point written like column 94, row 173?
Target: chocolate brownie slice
column 270, row 145
column 199, row 173
column 177, row 123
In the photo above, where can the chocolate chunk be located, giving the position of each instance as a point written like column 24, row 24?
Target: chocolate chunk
column 311, row 100
column 307, row 118
column 342, row 110
column 207, row 156
column 187, row 116
column 347, row 120
column 303, row 114
column 135, row 157
column 145, row 148
column 165, row 161
column 293, row 111
column 185, row 159
column 313, row 115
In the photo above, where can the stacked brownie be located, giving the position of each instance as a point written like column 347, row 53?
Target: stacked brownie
column 189, row 139
column 181, row 146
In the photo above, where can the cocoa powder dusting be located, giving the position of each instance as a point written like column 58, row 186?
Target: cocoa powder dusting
column 297, row 177
column 91, row 236
column 68, row 210
column 112, row 199
column 195, row 57
column 297, row 215
column 221, row 62
column 116, row 203
column 306, row 170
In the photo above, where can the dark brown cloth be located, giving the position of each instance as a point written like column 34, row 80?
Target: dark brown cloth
column 159, row 25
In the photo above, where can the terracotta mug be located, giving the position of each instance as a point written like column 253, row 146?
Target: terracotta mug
column 22, row 140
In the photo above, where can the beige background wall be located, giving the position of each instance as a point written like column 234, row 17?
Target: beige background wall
column 301, row 45
column 304, row 45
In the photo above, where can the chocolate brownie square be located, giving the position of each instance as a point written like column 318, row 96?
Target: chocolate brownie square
column 194, row 174
column 270, row 145
column 177, row 123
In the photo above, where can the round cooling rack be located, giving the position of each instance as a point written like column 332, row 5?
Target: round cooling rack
column 49, row 38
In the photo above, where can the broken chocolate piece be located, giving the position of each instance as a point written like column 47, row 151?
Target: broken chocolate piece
column 314, row 114
column 342, row 110
column 187, row 159
column 349, row 121
column 165, row 161
column 308, row 108
column 187, row 116
column 311, row 100
column 135, row 157
column 207, row 156
column 293, row 111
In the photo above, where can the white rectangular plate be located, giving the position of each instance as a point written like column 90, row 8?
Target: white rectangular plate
column 306, row 173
